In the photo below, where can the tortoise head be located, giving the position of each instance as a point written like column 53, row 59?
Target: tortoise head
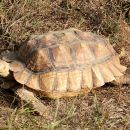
column 4, row 68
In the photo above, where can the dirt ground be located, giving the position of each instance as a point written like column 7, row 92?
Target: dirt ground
column 107, row 108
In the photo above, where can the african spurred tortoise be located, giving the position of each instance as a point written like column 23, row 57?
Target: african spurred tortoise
column 63, row 64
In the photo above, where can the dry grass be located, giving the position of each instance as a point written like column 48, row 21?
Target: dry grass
column 22, row 18
column 106, row 109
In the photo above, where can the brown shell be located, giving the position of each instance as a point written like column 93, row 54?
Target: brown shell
column 66, row 63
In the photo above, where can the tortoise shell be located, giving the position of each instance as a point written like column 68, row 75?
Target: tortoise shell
column 66, row 63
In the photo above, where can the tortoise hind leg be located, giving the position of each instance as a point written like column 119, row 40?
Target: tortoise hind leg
column 125, row 79
column 28, row 96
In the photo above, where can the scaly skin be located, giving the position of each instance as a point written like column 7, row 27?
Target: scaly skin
column 125, row 79
column 29, row 97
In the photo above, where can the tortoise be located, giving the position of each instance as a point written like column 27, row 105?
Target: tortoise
column 62, row 64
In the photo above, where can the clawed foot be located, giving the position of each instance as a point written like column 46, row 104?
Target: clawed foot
column 28, row 96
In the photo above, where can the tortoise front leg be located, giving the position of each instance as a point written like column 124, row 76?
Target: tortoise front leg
column 29, row 97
